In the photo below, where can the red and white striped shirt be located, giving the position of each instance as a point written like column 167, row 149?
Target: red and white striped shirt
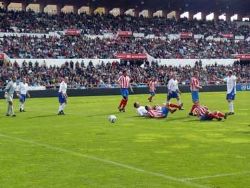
column 200, row 110
column 124, row 81
column 157, row 113
column 152, row 86
column 194, row 84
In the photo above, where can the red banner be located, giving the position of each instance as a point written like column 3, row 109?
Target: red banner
column 72, row 32
column 124, row 33
column 186, row 35
column 243, row 56
column 129, row 56
column 1, row 56
column 228, row 35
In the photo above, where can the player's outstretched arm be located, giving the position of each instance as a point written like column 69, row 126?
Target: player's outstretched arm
column 28, row 94
column 131, row 88
column 220, row 80
column 179, row 91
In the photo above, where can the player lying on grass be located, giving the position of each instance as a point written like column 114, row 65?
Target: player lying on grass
column 141, row 110
column 162, row 111
column 203, row 113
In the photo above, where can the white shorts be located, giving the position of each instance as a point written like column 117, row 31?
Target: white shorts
column 9, row 97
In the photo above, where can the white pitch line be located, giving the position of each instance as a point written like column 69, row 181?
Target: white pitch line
column 171, row 178
column 217, row 175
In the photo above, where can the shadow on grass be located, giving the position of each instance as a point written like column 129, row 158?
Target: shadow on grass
column 206, row 121
column 192, row 120
column 243, row 132
column 168, row 119
column 104, row 114
column 177, row 118
column 139, row 117
column 43, row 116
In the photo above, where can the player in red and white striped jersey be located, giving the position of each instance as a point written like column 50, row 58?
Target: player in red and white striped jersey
column 200, row 110
column 155, row 113
column 161, row 111
column 124, row 82
column 203, row 113
column 152, row 88
column 195, row 84
column 194, row 87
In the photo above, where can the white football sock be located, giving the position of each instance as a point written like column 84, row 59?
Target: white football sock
column 8, row 109
column 63, row 106
column 231, row 106
column 11, row 110
column 60, row 108
column 22, row 106
column 179, row 102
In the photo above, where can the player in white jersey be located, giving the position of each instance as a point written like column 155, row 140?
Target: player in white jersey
column 22, row 93
column 9, row 94
column 173, row 90
column 62, row 95
column 231, row 90
column 141, row 110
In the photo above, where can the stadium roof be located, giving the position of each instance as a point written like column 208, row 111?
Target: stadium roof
column 220, row 6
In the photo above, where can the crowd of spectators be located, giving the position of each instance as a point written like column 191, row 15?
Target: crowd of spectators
column 83, row 47
column 106, row 75
column 31, row 22
column 79, row 47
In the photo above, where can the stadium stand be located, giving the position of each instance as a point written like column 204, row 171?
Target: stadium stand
column 89, row 42
column 30, row 35
column 83, row 76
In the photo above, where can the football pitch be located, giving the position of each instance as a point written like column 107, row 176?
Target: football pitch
column 39, row 149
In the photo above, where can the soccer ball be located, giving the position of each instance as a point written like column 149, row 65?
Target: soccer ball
column 112, row 118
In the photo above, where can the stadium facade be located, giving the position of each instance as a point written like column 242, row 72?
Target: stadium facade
column 201, row 9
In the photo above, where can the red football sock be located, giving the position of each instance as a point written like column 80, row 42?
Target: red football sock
column 150, row 98
column 121, row 103
column 220, row 114
column 192, row 109
column 124, row 103
column 174, row 106
column 213, row 115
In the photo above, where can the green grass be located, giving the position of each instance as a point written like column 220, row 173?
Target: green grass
column 82, row 149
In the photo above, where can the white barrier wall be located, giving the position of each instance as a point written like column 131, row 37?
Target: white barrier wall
column 168, row 62
column 191, row 62
column 38, row 35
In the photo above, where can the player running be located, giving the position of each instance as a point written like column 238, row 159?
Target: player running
column 161, row 111
column 204, row 114
column 152, row 88
column 141, row 110
column 9, row 94
column 124, row 82
column 231, row 90
column 22, row 93
column 62, row 96
column 173, row 90
column 194, row 87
